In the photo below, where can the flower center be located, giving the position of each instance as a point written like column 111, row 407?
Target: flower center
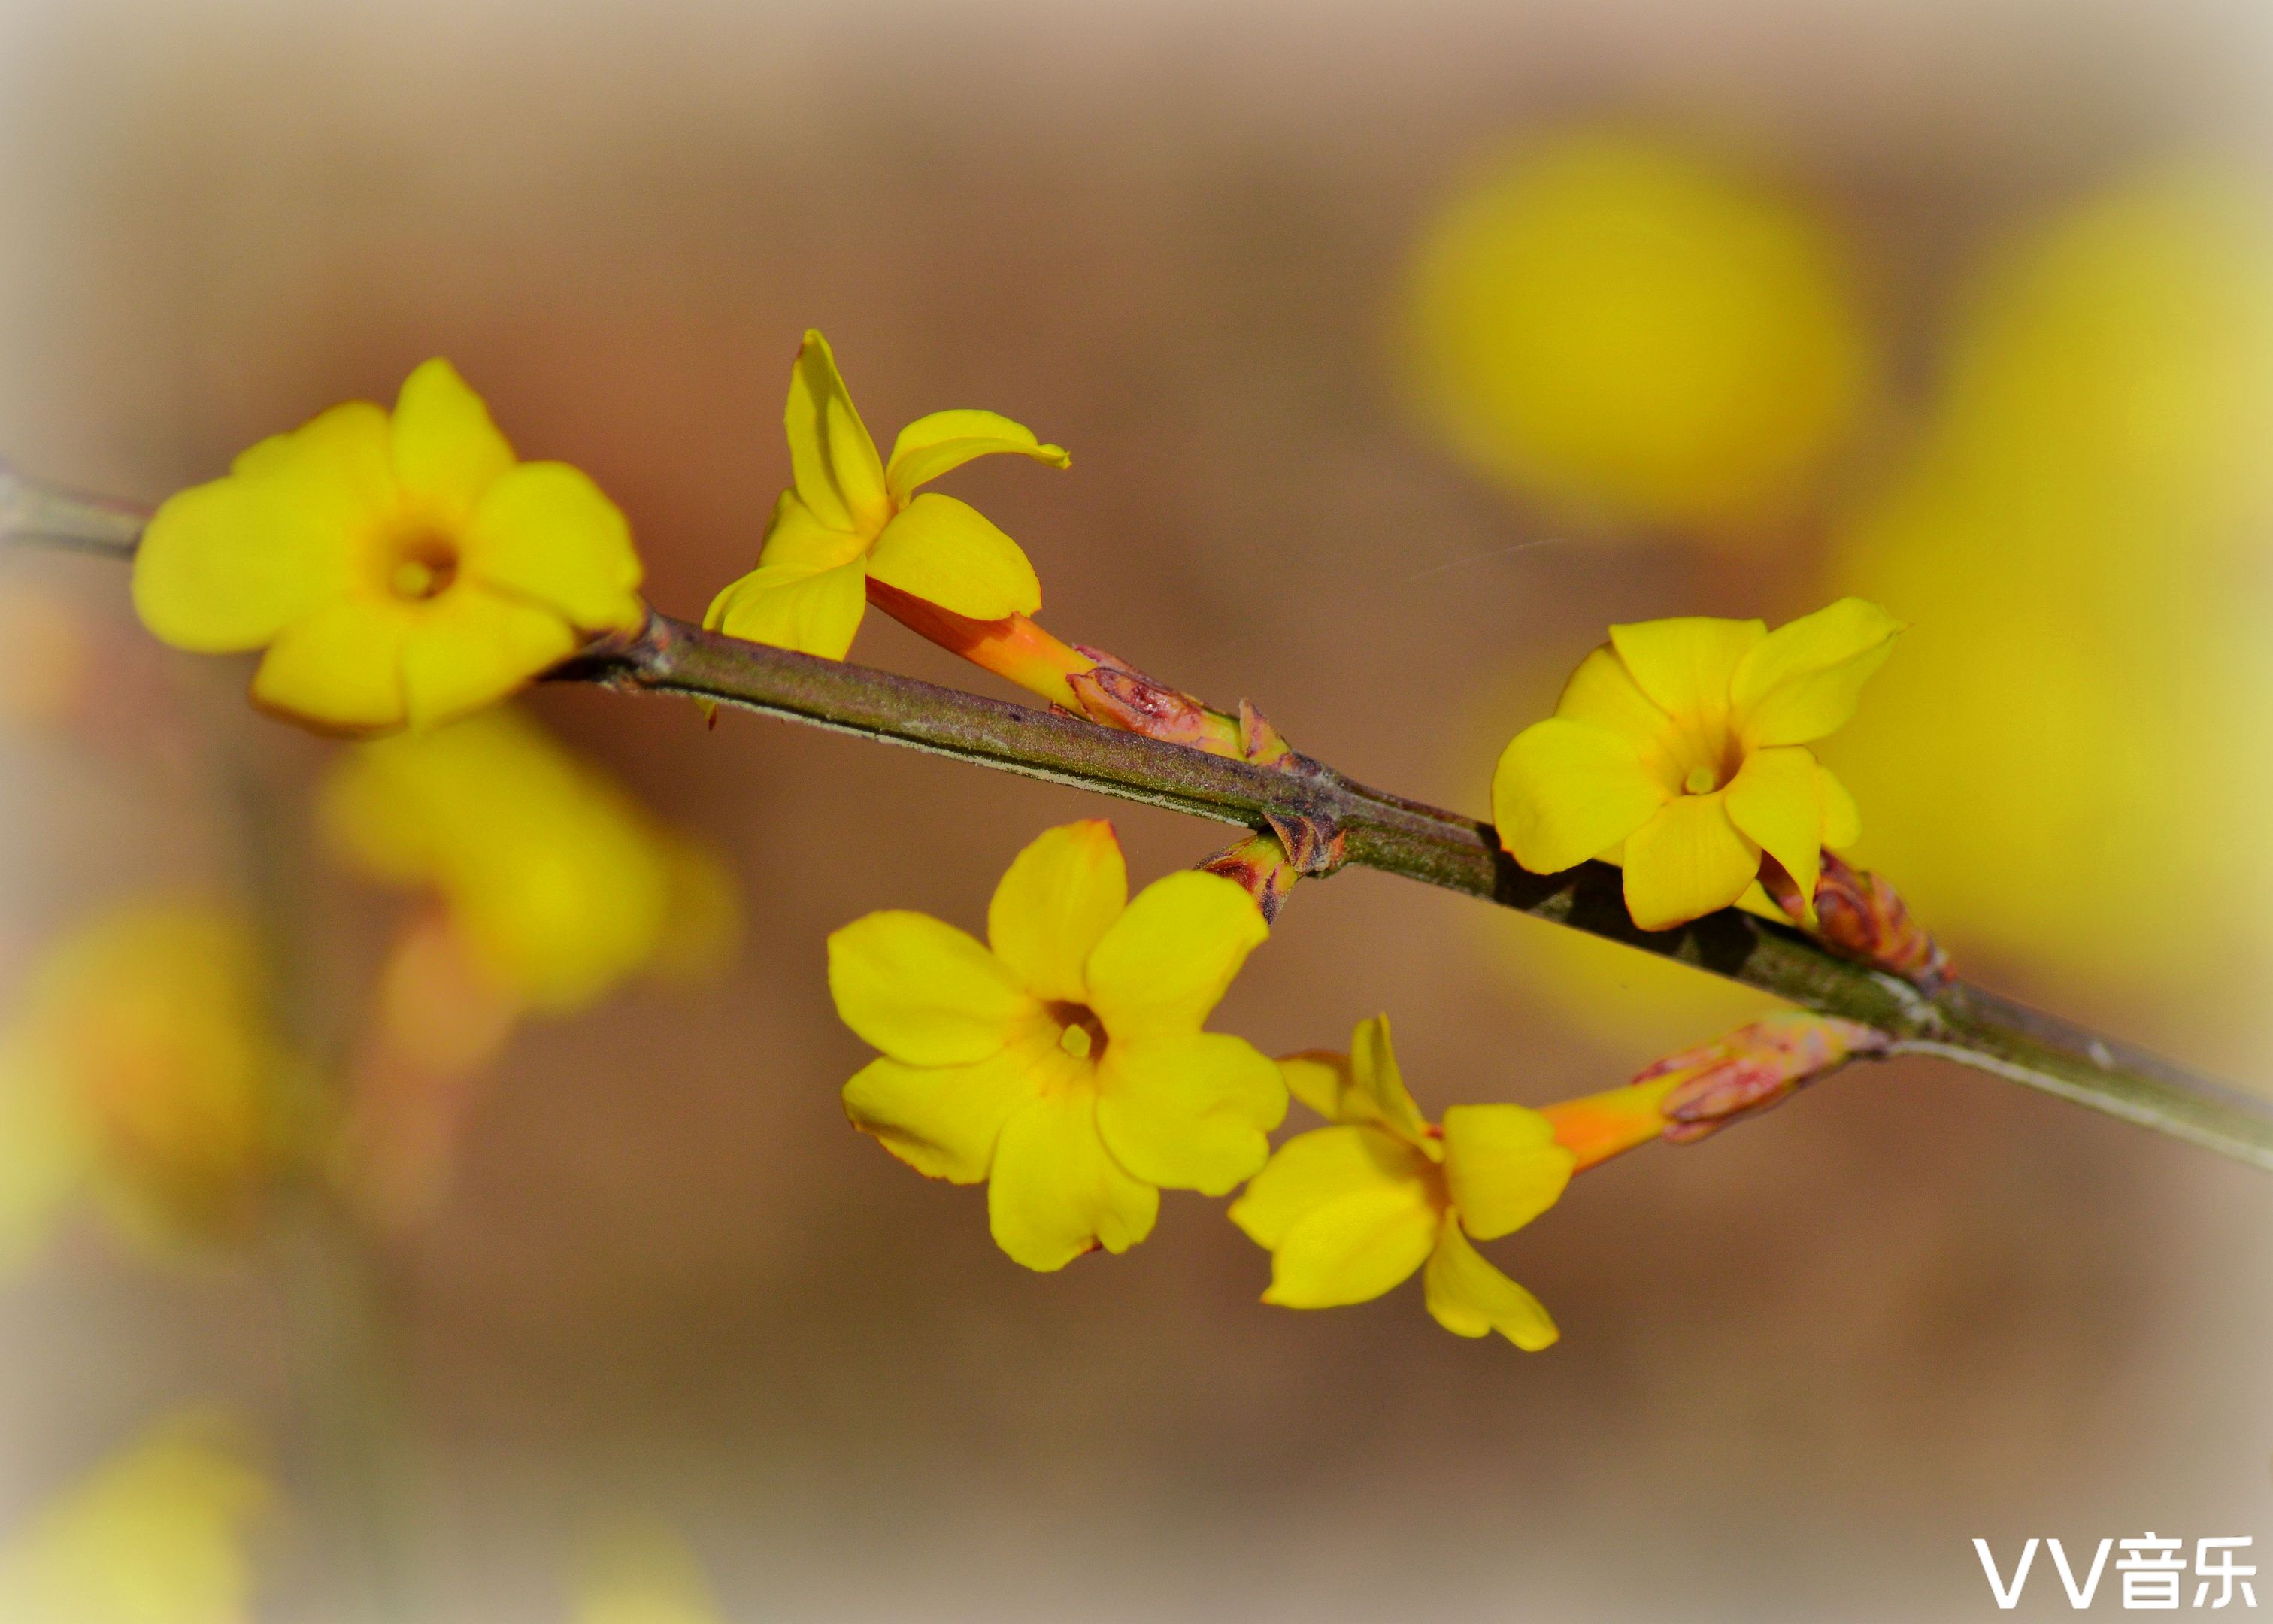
column 1713, row 763
column 424, row 564
column 1080, row 1033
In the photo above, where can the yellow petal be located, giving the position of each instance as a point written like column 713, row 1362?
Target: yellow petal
column 923, row 992
column 1168, row 961
column 1503, row 1166
column 815, row 614
column 545, row 532
column 1686, row 862
column 1842, row 820
column 471, row 646
column 1056, row 1192
column 1053, row 903
column 1603, row 694
column 229, row 564
column 1469, row 1298
column 949, row 553
column 1566, row 790
column 1190, row 1113
column 1316, row 1078
column 446, row 449
column 1757, row 901
column 943, row 1121
column 1378, row 1091
column 933, row 444
column 798, row 543
column 1353, row 1249
column 341, row 666
column 1686, row 664
column 1803, row 679
column 1315, row 1169
column 1776, row 799
column 342, row 458
column 834, row 462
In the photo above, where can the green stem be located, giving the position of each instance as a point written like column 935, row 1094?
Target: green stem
column 1960, row 1022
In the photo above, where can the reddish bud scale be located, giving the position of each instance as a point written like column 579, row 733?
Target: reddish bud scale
column 1259, row 865
column 1861, row 917
column 1754, row 1068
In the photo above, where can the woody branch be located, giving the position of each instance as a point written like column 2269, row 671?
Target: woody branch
column 1957, row 1021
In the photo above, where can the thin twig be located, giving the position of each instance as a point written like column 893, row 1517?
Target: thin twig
column 1379, row 830
column 43, row 516
column 1962, row 1022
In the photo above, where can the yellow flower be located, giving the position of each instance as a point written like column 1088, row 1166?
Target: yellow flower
column 559, row 885
column 1063, row 1061
column 1678, row 748
column 155, row 1535
column 1348, row 1212
column 853, row 516
column 397, row 570
column 1633, row 331
column 139, row 1062
column 2097, row 454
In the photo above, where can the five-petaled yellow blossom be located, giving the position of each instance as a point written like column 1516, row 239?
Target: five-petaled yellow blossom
column 400, row 569
column 853, row 515
column 1678, row 750
column 1348, row 1212
column 1063, row 1061
column 139, row 1063
column 558, row 883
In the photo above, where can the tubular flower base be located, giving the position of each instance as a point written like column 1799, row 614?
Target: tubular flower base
column 1595, row 1127
column 853, row 517
column 1086, row 682
column 1678, row 751
column 1351, row 1211
column 1063, row 1061
column 397, row 570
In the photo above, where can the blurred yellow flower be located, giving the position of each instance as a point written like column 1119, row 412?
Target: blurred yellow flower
column 1678, row 749
column 397, row 570
column 139, row 1062
column 1062, row 1061
column 2099, row 456
column 560, row 886
column 643, row 1573
column 155, row 1535
column 853, row 515
column 1629, row 330
column 1348, row 1212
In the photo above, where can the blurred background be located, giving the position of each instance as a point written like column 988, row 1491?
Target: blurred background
column 1400, row 349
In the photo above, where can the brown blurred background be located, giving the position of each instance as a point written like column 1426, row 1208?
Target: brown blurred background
column 1802, row 1366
